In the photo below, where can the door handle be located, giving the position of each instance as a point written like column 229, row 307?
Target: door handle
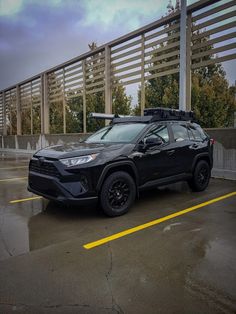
column 170, row 152
column 193, row 146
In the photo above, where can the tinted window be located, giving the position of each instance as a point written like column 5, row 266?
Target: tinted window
column 117, row 133
column 160, row 131
column 198, row 133
column 180, row 132
column 191, row 136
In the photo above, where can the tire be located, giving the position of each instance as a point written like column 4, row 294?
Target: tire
column 117, row 194
column 201, row 176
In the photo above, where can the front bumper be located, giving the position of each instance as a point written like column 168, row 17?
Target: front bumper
column 54, row 189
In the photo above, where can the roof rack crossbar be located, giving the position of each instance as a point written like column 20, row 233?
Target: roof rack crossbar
column 106, row 116
column 150, row 115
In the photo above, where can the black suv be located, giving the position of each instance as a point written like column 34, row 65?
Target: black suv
column 131, row 154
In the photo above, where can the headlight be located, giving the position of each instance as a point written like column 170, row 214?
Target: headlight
column 75, row 161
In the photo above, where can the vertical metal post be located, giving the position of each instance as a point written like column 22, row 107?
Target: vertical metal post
column 10, row 112
column 188, row 62
column 42, row 103
column 142, row 75
column 4, row 114
column 235, row 100
column 46, row 105
column 108, row 91
column 182, row 72
column 18, row 111
column 64, row 104
column 84, row 98
column 31, row 108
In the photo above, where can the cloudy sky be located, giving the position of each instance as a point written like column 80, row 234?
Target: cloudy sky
column 38, row 34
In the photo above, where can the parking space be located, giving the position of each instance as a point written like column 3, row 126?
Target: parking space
column 173, row 252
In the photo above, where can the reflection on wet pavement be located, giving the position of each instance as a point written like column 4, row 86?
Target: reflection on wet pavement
column 35, row 224
column 185, row 265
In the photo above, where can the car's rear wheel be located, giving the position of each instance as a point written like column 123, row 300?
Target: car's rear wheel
column 117, row 194
column 201, row 176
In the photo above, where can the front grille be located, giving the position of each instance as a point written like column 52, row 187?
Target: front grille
column 45, row 167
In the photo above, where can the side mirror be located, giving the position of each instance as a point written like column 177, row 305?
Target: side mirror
column 155, row 141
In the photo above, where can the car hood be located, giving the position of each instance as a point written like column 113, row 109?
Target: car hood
column 77, row 149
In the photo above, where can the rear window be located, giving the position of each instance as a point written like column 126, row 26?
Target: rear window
column 180, row 132
column 197, row 133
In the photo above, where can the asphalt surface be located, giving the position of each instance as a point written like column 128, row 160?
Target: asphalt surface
column 186, row 264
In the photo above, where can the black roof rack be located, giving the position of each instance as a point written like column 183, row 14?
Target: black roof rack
column 150, row 115
column 162, row 114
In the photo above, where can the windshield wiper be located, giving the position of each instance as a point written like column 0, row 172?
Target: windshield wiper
column 105, row 133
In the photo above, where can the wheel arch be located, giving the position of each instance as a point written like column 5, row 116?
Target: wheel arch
column 126, row 166
column 203, row 156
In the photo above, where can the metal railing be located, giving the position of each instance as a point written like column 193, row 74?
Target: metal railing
column 150, row 52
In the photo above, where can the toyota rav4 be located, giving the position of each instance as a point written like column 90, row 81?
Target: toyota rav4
column 129, row 155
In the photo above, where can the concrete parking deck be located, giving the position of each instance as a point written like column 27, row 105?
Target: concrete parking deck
column 175, row 261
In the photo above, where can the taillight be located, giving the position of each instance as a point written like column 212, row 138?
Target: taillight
column 212, row 141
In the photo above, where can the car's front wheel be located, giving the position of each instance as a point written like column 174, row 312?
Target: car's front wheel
column 201, row 176
column 117, row 194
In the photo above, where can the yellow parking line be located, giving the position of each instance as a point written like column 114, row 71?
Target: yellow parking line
column 9, row 168
column 25, row 199
column 154, row 222
column 13, row 179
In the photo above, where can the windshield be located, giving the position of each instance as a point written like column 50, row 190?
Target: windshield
column 117, row 133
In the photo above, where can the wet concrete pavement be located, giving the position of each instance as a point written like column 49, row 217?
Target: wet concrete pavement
column 184, row 265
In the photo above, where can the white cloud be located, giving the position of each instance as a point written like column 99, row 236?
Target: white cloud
column 13, row 7
column 10, row 7
column 107, row 12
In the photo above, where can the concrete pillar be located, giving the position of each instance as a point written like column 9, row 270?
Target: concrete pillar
column 45, row 104
column 108, row 89
column 31, row 108
column 188, row 63
column 42, row 103
column 64, row 104
column 182, row 71
column 84, row 98
column 142, row 75
column 4, row 114
column 18, row 111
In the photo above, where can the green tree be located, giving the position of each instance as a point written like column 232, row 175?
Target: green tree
column 95, row 102
column 212, row 100
column 121, row 103
column 55, row 89
column 74, row 113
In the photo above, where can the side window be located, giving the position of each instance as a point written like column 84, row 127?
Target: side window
column 190, row 133
column 198, row 133
column 160, row 131
column 180, row 132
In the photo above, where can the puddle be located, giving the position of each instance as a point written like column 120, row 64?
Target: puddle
column 14, row 231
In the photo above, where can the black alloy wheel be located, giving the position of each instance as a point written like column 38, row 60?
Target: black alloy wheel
column 117, row 194
column 201, row 176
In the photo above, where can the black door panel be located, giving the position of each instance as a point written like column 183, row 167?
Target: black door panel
column 157, row 161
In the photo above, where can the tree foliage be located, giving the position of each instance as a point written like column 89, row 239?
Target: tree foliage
column 213, row 100
column 95, row 102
